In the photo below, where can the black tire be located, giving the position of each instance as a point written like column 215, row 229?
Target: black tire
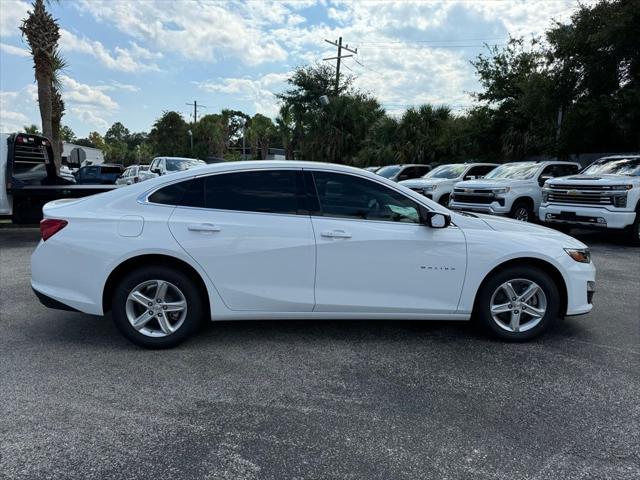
column 634, row 231
column 520, row 210
column 482, row 311
column 444, row 200
column 194, row 314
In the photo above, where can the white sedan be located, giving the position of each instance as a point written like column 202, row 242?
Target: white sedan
column 299, row 240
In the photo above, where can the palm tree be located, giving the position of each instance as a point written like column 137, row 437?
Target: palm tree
column 31, row 129
column 42, row 34
column 57, row 105
column 285, row 127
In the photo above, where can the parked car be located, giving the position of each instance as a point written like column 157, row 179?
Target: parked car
column 513, row 189
column 438, row 183
column 66, row 173
column 397, row 173
column 131, row 174
column 167, row 165
column 103, row 174
column 606, row 195
column 304, row 240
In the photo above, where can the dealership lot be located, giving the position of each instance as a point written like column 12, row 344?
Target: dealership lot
column 320, row 399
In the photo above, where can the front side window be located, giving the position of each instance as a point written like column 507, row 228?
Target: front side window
column 478, row 171
column 174, row 165
column 348, row 196
column 266, row 191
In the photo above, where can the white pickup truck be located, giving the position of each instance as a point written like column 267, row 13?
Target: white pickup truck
column 605, row 195
column 513, row 189
column 438, row 183
column 167, row 165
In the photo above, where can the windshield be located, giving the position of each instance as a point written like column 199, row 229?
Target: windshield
column 175, row 165
column 446, row 171
column 518, row 171
column 618, row 166
column 389, row 171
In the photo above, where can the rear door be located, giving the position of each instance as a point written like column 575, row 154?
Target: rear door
column 252, row 234
column 373, row 255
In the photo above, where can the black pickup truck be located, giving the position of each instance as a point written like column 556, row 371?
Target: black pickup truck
column 29, row 178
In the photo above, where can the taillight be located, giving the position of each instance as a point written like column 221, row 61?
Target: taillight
column 50, row 226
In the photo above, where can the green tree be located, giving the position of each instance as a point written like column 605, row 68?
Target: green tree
column 169, row 135
column 31, row 129
column 285, row 129
column 67, row 135
column 260, row 132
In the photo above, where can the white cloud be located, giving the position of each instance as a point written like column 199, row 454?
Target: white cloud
column 11, row 14
column 260, row 91
column 17, row 108
column 13, row 50
column 113, row 85
column 204, row 30
column 132, row 60
column 75, row 92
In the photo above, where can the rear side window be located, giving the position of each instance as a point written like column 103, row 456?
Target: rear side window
column 267, row 191
column 189, row 193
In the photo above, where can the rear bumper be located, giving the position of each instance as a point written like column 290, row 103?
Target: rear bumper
column 586, row 217
column 52, row 302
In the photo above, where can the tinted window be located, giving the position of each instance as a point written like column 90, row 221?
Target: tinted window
column 189, row 193
column 479, row 171
column 353, row 197
column 388, row 172
column 268, row 191
column 420, row 171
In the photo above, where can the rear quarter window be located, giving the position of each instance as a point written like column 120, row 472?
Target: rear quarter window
column 188, row 193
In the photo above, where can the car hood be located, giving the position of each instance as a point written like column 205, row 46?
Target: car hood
column 488, row 183
column 515, row 227
column 425, row 182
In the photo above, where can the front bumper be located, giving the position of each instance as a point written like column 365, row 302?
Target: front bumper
column 493, row 208
column 586, row 217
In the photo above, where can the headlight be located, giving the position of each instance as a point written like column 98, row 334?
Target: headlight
column 429, row 188
column 582, row 255
column 501, row 190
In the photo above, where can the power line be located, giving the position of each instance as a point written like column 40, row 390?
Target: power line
column 339, row 57
column 195, row 110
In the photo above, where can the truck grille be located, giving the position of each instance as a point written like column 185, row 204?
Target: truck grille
column 468, row 195
column 581, row 195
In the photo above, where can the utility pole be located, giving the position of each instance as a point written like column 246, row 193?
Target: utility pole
column 338, row 58
column 195, row 110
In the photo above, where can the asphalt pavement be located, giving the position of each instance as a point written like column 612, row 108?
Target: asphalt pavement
column 321, row 400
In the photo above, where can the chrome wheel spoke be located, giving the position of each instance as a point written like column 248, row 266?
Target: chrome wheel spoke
column 507, row 288
column 529, row 293
column 140, row 298
column 502, row 308
column 164, row 324
column 161, row 291
column 142, row 320
column 174, row 306
column 535, row 312
column 514, row 324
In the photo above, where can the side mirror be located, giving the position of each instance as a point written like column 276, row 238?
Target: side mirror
column 434, row 219
column 544, row 179
column 156, row 170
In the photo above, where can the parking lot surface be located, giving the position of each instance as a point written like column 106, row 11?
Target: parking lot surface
column 311, row 400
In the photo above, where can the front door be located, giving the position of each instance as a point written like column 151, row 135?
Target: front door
column 374, row 256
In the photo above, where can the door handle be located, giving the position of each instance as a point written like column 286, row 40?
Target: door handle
column 336, row 234
column 203, row 227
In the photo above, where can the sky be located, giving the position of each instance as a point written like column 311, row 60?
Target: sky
column 130, row 60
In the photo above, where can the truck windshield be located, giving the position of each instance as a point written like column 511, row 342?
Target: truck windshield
column 174, row 165
column 518, row 171
column 446, row 171
column 389, row 171
column 617, row 166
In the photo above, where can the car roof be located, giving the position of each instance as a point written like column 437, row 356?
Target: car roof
column 613, row 157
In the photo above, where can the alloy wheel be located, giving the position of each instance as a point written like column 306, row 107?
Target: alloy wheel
column 156, row 308
column 522, row 214
column 518, row 305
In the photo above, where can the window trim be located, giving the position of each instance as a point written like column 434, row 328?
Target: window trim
column 144, row 197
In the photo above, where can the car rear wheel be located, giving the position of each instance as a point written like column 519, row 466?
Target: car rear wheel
column 518, row 303
column 522, row 211
column 157, row 307
column 634, row 230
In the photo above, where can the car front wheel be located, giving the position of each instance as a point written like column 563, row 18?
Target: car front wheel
column 157, row 307
column 518, row 303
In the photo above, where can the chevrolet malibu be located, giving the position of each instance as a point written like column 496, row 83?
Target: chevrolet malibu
column 299, row 240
